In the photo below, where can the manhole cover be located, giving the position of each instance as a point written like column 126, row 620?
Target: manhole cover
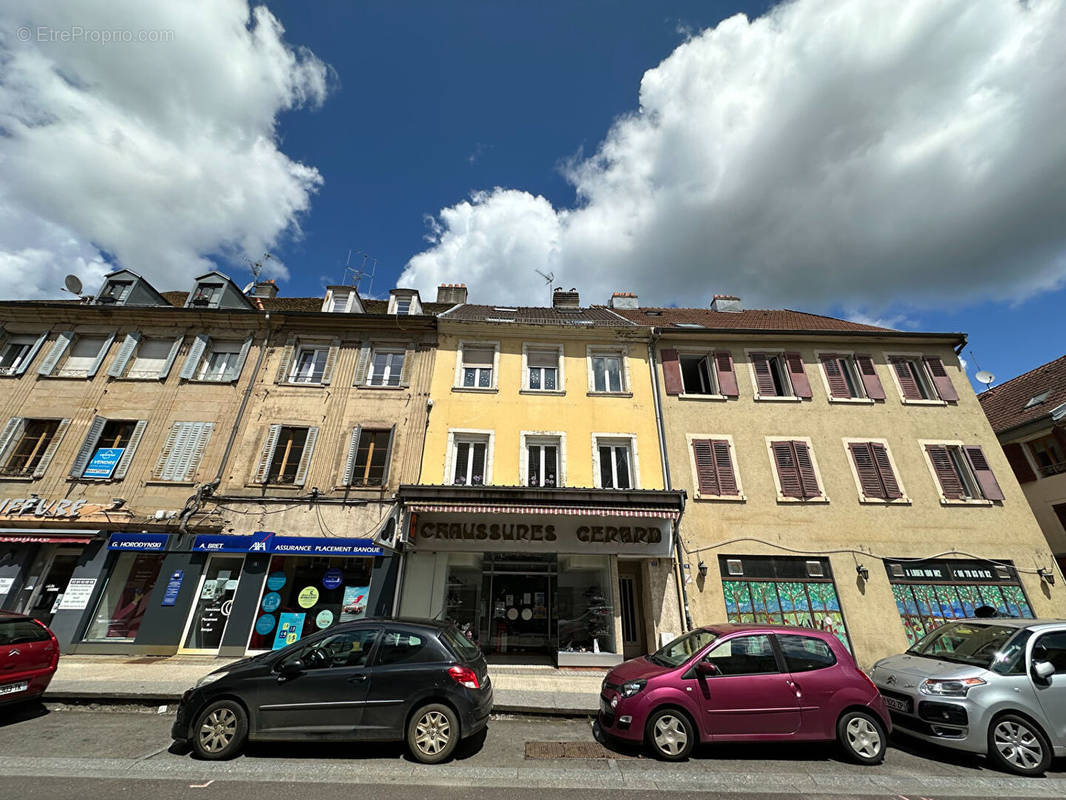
column 550, row 750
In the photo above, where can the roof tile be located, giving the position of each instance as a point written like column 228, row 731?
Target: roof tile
column 1004, row 405
column 749, row 319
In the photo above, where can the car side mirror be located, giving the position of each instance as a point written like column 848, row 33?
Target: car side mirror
column 1043, row 670
column 291, row 667
column 707, row 669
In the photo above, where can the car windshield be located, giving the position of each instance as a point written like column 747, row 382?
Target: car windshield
column 973, row 643
column 682, row 649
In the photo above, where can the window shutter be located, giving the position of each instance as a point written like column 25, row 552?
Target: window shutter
column 349, row 462
column 1015, row 454
column 31, row 354
column 805, row 465
column 907, row 382
column 866, row 468
column 870, row 382
column 100, row 357
column 233, row 373
column 885, row 471
column 59, row 347
column 10, row 436
column 131, row 448
column 125, row 353
column 81, row 461
column 672, row 382
column 331, row 361
column 950, row 485
column 706, row 474
column 285, row 364
column 801, row 386
column 985, row 477
column 196, row 354
column 196, row 454
column 305, row 457
column 838, row 387
column 175, row 440
column 53, row 446
column 362, row 365
column 405, row 371
column 273, row 432
column 941, row 380
column 171, row 358
column 183, row 451
column 764, row 381
column 388, row 458
column 727, row 376
column 723, row 462
column 787, row 471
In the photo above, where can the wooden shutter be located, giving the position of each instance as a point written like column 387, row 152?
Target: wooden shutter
column 726, row 373
column 801, row 386
column 353, row 452
column 838, row 387
column 405, row 371
column 199, row 346
column 870, row 382
column 805, row 464
column 125, row 353
column 672, row 380
column 59, row 347
column 174, row 442
column 233, row 373
column 287, row 354
column 171, row 358
column 100, row 357
column 131, row 447
column 706, row 473
column 267, row 453
column 85, row 452
column 985, row 477
column 787, row 470
column 908, row 384
column 950, row 484
column 183, row 451
column 362, row 364
column 884, row 469
column 53, row 446
column 388, row 457
column 941, row 380
column 10, row 436
column 723, row 462
column 764, row 381
column 305, row 457
column 1015, row 454
column 866, row 468
column 331, row 362
column 31, row 354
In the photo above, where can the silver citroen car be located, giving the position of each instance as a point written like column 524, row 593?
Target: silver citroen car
column 991, row 686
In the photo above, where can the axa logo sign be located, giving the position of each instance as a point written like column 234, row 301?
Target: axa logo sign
column 261, row 542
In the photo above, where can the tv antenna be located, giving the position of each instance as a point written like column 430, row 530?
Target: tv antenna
column 368, row 266
column 256, row 267
column 983, row 375
column 548, row 280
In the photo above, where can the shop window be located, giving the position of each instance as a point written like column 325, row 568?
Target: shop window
column 124, row 601
column 782, row 591
column 207, row 622
column 108, row 449
column 386, row 367
column 368, row 457
column 476, row 365
column 1048, row 454
column 304, row 594
column 584, row 605
column 28, row 445
column 615, row 462
column 286, row 455
column 963, row 472
column 542, row 461
column 542, row 370
column 697, row 374
column 469, row 460
column 607, row 371
column 930, row 593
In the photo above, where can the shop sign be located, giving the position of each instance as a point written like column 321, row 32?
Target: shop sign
column 40, row 507
column 324, row 546
column 170, row 596
column 76, row 597
column 5, row 585
column 103, row 462
column 143, row 542
column 957, row 570
column 258, row 542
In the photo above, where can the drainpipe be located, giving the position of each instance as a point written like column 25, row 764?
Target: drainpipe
column 682, row 593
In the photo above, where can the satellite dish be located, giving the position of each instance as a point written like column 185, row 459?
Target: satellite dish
column 985, row 377
column 248, row 288
column 73, row 284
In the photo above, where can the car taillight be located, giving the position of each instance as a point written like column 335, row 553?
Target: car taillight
column 464, row 676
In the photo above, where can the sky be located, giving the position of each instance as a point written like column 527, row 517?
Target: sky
column 901, row 162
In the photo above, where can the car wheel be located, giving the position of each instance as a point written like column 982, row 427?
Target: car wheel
column 1017, row 745
column 670, row 734
column 220, row 730
column 862, row 737
column 432, row 733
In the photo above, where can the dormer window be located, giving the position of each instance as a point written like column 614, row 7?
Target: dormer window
column 404, row 302
column 338, row 302
column 403, row 305
column 207, row 295
column 116, row 292
column 342, row 300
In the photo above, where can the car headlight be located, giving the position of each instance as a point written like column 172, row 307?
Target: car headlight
column 949, row 687
column 630, row 688
column 206, row 679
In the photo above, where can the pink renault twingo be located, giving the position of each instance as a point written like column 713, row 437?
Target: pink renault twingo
column 746, row 683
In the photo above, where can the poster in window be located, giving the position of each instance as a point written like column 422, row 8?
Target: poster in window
column 289, row 629
column 354, row 604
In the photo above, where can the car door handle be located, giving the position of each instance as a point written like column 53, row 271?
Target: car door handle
column 795, row 687
column 357, row 678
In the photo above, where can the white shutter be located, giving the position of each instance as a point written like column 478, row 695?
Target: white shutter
column 405, row 371
column 349, row 462
column 85, row 453
column 171, row 358
column 53, row 446
column 130, row 449
column 305, row 457
column 21, row 368
column 233, row 372
column 196, row 353
column 331, row 361
column 59, row 347
column 183, row 450
column 362, row 365
column 287, row 353
column 177, row 432
column 388, row 458
column 125, row 353
column 10, row 437
column 100, row 356
column 267, row 454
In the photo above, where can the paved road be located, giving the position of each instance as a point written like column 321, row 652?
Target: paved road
column 125, row 754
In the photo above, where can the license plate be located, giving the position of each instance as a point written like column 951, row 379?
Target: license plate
column 896, row 704
column 15, row 688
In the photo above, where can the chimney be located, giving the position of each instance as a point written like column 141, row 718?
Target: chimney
column 726, row 302
column 623, row 300
column 451, row 293
column 267, row 289
column 564, row 299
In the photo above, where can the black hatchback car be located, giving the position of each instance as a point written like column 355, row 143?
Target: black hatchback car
column 378, row 679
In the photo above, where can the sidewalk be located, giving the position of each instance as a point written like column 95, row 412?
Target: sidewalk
column 516, row 689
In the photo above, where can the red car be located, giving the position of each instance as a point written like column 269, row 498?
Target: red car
column 746, row 683
column 29, row 654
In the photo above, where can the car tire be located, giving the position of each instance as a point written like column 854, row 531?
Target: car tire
column 220, row 731
column 862, row 737
column 670, row 734
column 432, row 733
column 1017, row 745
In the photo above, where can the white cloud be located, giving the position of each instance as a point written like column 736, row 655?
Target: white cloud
column 833, row 152
column 160, row 153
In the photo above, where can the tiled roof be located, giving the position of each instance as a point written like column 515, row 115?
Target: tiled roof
column 1004, row 405
column 591, row 317
column 753, row 319
column 314, row 304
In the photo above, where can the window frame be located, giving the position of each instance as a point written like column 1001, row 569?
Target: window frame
column 1041, row 471
column 852, row 375
column 94, row 434
column 613, row 440
column 9, row 447
column 708, row 357
column 457, row 436
column 299, row 349
column 173, row 340
column 20, row 366
column 352, row 455
column 778, row 354
column 593, row 352
column 968, row 481
column 781, row 498
column 529, row 439
column 560, row 376
column 213, row 301
column 460, row 369
column 923, row 379
column 200, row 374
column 779, row 661
column 694, row 472
column 387, row 374
column 904, row 499
column 107, row 339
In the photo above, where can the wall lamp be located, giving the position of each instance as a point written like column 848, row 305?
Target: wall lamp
column 702, row 568
column 1046, row 575
column 862, row 571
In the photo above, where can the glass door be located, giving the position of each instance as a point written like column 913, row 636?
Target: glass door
column 214, row 601
column 48, row 590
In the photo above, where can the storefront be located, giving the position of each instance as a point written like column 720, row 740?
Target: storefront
column 37, row 567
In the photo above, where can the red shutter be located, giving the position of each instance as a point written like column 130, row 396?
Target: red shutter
column 907, row 381
column 727, row 376
column 798, row 375
column 706, row 474
column 723, row 461
column 869, row 479
column 672, row 372
column 1023, row 470
column 985, row 478
column 885, row 471
column 838, row 387
column 870, row 381
column 787, row 472
column 950, row 485
column 808, row 479
column 943, row 384
column 764, row 381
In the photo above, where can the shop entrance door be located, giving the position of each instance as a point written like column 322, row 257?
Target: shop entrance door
column 55, row 566
column 630, row 590
column 520, row 592
column 214, row 600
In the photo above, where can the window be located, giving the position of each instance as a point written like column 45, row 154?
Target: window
column 27, row 448
column 207, row 294
column 218, row 361
column 84, row 357
column 842, row 376
column 124, row 601
column 805, row 653
column 542, row 462
column 476, row 366
column 183, row 451
column 608, row 371
column 614, row 458
column 744, row 655
column 286, row 455
column 795, row 469
column 116, row 292
column 697, row 374
column 1052, row 647
column 779, row 375
column 1048, row 454
column 22, row 631
column 152, row 356
column 386, row 367
column 108, row 449
column 217, row 364
column 963, row 472
column 713, row 466
column 469, row 460
column 309, row 365
column 400, row 647
column 873, row 470
column 368, row 457
column 347, row 649
column 403, row 305
column 922, row 378
column 542, row 370
column 17, row 352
